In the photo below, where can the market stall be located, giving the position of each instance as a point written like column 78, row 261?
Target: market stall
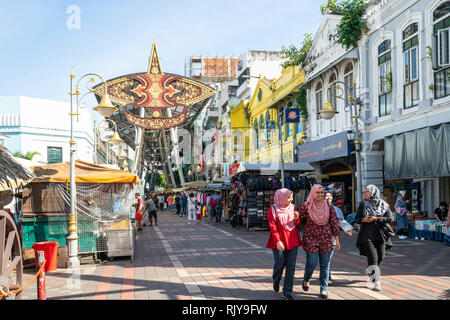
column 254, row 186
column 12, row 177
column 104, row 212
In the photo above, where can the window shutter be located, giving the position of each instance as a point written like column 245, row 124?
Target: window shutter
column 435, row 52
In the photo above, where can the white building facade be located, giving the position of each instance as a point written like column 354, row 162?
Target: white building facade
column 43, row 126
column 404, row 92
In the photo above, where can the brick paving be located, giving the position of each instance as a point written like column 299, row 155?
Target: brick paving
column 180, row 261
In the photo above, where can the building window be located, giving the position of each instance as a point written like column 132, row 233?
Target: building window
column 384, row 78
column 54, row 155
column 289, row 125
column 318, row 99
column 269, row 136
column 241, row 79
column 440, row 50
column 411, row 66
column 261, row 126
column 332, row 90
column 255, row 133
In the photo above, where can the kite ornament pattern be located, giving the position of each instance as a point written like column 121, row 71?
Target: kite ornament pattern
column 156, row 91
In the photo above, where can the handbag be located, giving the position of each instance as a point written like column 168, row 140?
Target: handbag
column 387, row 231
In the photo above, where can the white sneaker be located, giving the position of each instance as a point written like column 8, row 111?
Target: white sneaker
column 403, row 237
column 377, row 286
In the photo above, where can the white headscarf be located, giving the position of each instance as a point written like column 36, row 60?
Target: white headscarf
column 375, row 206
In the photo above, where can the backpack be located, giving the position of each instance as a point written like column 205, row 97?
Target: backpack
column 212, row 202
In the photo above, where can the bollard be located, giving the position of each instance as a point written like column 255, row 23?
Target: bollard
column 41, row 277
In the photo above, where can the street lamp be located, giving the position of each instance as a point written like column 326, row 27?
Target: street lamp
column 115, row 140
column 353, row 105
column 72, row 240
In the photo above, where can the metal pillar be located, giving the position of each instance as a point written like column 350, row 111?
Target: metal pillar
column 166, row 149
column 280, row 139
column 72, row 239
column 139, row 140
column 174, row 138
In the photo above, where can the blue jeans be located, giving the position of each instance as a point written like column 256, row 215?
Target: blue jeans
column 183, row 211
column 218, row 214
column 171, row 208
column 286, row 258
column 323, row 259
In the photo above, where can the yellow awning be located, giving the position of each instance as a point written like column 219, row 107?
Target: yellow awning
column 85, row 172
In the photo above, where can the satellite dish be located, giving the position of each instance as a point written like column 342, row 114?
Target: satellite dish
column 106, row 135
column 5, row 198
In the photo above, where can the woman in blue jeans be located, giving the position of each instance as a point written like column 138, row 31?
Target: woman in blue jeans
column 284, row 240
column 321, row 226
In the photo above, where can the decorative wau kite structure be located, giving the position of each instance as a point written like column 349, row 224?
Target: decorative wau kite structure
column 156, row 91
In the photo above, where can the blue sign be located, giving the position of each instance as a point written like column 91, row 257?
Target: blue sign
column 292, row 115
column 270, row 124
column 331, row 147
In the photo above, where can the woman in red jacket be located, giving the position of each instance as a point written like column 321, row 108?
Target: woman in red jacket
column 284, row 240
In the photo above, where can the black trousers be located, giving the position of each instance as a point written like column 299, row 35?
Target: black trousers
column 375, row 253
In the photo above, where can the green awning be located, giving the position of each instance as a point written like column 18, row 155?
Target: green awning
column 421, row 153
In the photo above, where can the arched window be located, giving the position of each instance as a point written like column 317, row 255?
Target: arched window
column 289, row 125
column 318, row 99
column 411, row 66
column 255, row 132
column 268, row 130
column 261, row 129
column 332, row 90
column 440, row 50
column 384, row 78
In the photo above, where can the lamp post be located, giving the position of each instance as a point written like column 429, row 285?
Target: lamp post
column 115, row 139
column 351, row 104
column 106, row 106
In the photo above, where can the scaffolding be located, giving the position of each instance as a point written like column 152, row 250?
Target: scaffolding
column 211, row 69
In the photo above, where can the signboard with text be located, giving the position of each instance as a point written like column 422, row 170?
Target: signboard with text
column 331, row 147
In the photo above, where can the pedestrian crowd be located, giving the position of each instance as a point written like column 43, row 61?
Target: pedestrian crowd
column 322, row 222
column 192, row 206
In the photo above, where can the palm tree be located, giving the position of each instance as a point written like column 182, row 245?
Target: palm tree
column 28, row 156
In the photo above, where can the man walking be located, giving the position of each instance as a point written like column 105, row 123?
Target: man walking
column 139, row 211
column 218, row 200
column 183, row 204
column 150, row 208
column 170, row 203
column 178, row 204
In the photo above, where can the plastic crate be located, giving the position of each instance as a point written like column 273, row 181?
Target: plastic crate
column 446, row 241
column 411, row 230
column 438, row 236
column 427, row 234
column 419, row 233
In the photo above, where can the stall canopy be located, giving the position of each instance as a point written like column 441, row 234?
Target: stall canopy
column 422, row 153
column 273, row 168
column 85, row 172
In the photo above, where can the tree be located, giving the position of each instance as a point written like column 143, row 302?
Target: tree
column 294, row 56
column 29, row 155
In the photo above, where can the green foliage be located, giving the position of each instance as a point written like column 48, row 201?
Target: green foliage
column 29, row 155
column 301, row 102
column 294, row 56
column 352, row 24
column 160, row 180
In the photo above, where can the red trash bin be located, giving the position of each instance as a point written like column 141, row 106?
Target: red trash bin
column 50, row 249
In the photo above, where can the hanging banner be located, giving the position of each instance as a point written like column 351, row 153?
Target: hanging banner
column 292, row 115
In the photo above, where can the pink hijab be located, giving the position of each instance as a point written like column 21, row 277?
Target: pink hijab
column 319, row 212
column 284, row 213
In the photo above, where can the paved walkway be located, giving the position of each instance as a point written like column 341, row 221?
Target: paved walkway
column 180, row 261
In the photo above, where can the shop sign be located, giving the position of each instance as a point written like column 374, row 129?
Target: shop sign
column 292, row 115
column 327, row 148
column 233, row 169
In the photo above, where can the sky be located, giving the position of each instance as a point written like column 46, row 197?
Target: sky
column 40, row 40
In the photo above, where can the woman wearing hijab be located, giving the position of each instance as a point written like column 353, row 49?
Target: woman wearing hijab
column 402, row 215
column 347, row 227
column 373, row 215
column 321, row 226
column 284, row 240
